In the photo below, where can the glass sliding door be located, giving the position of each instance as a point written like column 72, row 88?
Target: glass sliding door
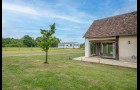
column 108, row 50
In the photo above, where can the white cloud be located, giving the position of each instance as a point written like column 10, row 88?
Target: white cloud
column 4, row 23
column 71, row 20
column 29, row 31
column 19, row 9
column 124, row 10
column 85, row 19
column 76, row 16
column 19, row 33
column 130, row 6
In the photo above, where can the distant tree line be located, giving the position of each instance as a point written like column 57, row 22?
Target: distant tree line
column 25, row 41
column 82, row 45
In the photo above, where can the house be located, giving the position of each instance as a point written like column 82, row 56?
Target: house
column 113, row 37
column 68, row 45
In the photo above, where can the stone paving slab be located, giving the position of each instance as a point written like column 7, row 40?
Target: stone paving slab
column 107, row 61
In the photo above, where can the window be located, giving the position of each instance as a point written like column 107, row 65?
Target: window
column 108, row 49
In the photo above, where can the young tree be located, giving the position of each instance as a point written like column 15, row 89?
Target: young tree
column 46, row 39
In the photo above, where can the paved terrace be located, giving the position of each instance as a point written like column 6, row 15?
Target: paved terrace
column 107, row 61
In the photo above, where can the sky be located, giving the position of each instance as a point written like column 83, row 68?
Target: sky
column 72, row 17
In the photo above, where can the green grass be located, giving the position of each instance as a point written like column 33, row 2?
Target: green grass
column 30, row 73
column 26, row 50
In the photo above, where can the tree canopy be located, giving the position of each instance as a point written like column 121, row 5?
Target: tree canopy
column 11, row 42
column 28, row 41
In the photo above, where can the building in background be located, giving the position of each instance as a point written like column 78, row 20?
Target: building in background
column 68, row 45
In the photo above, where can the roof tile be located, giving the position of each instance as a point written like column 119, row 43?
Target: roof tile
column 125, row 24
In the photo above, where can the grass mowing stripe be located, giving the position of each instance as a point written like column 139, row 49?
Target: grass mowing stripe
column 30, row 73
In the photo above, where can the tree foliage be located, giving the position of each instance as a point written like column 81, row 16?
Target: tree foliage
column 28, row 41
column 56, row 41
column 82, row 45
column 11, row 42
column 46, row 40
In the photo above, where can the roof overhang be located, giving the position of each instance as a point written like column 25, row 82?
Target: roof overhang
column 102, row 39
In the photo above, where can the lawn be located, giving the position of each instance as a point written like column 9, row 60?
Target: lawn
column 29, row 73
column 26, row 50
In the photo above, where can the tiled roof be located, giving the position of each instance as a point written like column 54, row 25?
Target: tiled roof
column 125, row 24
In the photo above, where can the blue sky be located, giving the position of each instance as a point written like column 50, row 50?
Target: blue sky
column 72, row 17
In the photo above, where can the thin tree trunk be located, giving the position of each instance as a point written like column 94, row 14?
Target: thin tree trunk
column 46, row 57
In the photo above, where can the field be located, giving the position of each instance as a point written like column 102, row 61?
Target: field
column 62, row 73
column 22, row 50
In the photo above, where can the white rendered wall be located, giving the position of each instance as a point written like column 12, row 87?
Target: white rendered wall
column 87, row 48
column 68, row 46
column 126, row 50
column 76, row 46
column 60, row 47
